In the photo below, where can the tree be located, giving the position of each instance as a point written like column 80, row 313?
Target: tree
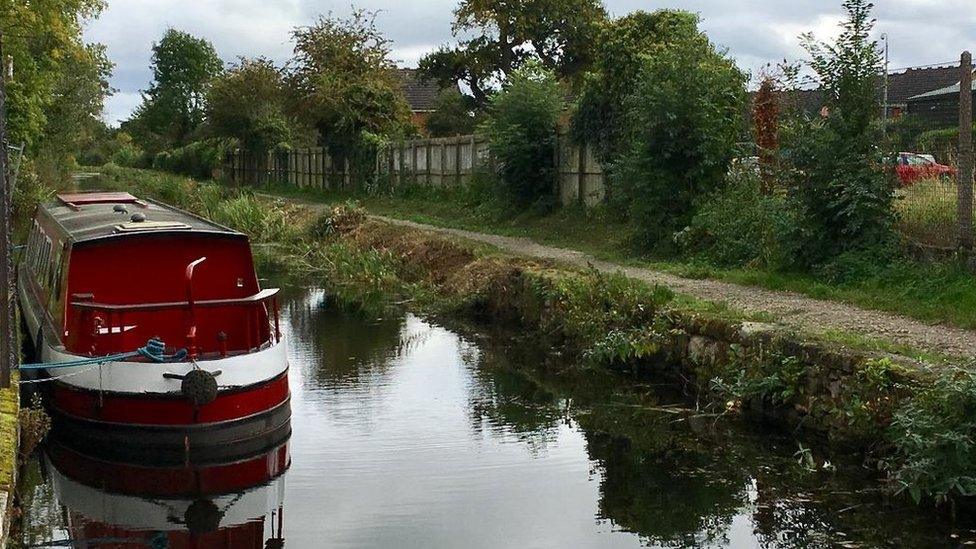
column 684, row 116
column 504, row 34
column 59, row 82
column 173, row 107
column 765, row 129
column 453, row 114
column 847, row 197
column 601, row 117
column 521, row 130
column 248, row 102
column 56, row 94
column 345, row 84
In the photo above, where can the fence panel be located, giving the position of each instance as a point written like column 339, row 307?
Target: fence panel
column 437, row 162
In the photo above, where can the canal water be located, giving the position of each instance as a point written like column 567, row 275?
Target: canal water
column 411, row 433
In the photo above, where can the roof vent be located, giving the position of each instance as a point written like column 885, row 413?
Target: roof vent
column 119, row 208
column 138, row 217
column 147, row 226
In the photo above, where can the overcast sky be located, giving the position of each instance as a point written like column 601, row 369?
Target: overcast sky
column 755, row 32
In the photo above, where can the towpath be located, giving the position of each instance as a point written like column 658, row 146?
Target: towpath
column 787, row 308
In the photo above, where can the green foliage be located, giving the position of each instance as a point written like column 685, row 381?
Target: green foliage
column 846, row 196
column 944, row 144
column 497, row 37
column 199, row 159
column 173, row 106
column 684, row 114
column 248, row 102
column 607, row 314
column 739, row 225
column 521, row 129
column 770, row 378
column 618, row 59
column 453, row 114
column 346, row 86
column 59, row 82
column 934, row 438
column 903, row 133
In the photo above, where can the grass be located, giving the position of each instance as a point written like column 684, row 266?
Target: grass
column 927, row 212
column 9, row 409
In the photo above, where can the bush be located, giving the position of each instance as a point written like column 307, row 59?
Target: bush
column 846, row 196
column 934, row 437
column 943, row 144
column 739, row 225
column 521, row 128
column 199, row 159
column 685, row 114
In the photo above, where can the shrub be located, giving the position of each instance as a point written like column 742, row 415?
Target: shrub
column 685, row 113
column 521, row 128
column 740, row 225
column 934, row 438
column 199, row 159
column 943, row 144
column 846, row 196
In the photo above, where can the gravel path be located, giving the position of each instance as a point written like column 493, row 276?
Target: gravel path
column 790, row 309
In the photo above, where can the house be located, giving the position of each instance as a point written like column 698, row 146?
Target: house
column 903, row 86
column 940, row 107
column 421, row 96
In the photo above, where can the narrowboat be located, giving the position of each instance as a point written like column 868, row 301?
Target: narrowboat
column 150, row 325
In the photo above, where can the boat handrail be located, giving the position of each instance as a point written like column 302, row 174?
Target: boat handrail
column 259, row 297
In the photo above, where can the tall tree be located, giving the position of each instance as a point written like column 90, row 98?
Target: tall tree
column 59, row 82
column 172, row 108
column 249, row 102
column 500, row 35
column 345, row 84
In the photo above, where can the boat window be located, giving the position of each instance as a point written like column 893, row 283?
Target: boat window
column 43, row 257
column 53, row 267
column 59, row 278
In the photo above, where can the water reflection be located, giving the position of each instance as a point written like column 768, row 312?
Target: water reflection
column 93, row 501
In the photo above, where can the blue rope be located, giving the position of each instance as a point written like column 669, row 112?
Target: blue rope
column 154, row 351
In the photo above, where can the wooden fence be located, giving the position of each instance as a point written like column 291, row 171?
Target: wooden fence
column 312, row 167
column 436, row 162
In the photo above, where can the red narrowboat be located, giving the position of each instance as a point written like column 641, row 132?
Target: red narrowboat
column 105, row 274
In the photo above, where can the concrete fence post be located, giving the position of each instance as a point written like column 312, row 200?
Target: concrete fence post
column 965, row 174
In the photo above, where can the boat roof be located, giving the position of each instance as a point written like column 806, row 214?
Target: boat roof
column 88, row 216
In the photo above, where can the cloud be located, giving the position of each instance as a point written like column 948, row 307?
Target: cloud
column 755, row 32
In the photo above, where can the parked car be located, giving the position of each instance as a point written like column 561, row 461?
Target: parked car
column 912, row 167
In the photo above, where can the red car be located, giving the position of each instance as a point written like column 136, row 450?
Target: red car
column 912, row 167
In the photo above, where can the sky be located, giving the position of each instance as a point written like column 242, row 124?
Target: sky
column 755, row 32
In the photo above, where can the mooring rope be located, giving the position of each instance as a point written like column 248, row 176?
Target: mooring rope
column 154, row 350
column 55, row 378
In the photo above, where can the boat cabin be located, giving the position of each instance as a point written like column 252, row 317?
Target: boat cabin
column 105, row 272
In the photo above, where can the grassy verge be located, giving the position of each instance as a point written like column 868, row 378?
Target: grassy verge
column 9, row 409
column 936, row 293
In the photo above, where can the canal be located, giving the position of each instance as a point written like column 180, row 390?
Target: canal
column 409, row 432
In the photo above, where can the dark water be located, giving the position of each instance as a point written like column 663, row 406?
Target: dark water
column 410, row 434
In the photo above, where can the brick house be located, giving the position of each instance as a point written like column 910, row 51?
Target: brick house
column 421, row 96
